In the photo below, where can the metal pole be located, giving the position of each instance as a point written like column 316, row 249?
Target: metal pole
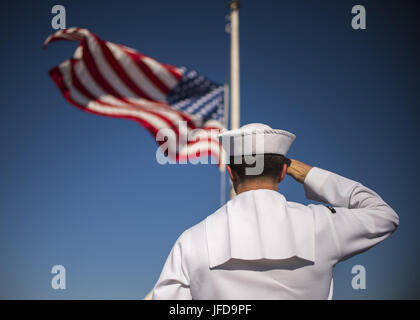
column 222, row 155
column 234, row 64
column 234, row 69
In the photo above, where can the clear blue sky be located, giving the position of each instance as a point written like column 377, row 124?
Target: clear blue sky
column 86, row 191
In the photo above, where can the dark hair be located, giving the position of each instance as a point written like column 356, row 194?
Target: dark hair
column 273, row 166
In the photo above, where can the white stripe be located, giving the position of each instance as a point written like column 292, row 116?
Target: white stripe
column 161, row 72
column 58, row 33
column 83, row 32
column 85, row 78
column 201, row 146
column 71, row 30
column 164, row 75
column 203, row 99
column 200, row 133
column 48, row 39
column 107, row 72
column 213, row 123
column 69, row 34
column 53, row 36
column 135, row 74
column 210, row 105
column 78, row 53
column 181, row 104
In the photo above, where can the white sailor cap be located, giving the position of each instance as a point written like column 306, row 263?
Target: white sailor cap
column 256, row 138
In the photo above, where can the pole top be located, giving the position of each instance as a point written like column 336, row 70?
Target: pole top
column 234, row 5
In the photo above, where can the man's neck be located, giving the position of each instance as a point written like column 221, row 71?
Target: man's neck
column 244, row 187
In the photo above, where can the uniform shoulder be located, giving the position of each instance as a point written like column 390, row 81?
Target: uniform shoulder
column 198, row 229
column 193, row 231
column 311, row 207
column 299, row 206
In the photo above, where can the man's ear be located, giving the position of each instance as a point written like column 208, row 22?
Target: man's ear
column 232, row 175
column 282, row 174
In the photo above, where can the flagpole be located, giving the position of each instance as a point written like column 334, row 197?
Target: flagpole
column 234, row 69
column 234, row 64
column 222, row 165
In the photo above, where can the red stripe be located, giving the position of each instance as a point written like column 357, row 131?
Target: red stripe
column 79, row 86
column 174, row 71
column 186, row 157
column 198, row 154
column 137, row 59
column 95, row 73
column 202, row 139
column 210, row 128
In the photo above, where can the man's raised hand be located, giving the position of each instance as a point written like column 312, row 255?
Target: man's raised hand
column 298, row 170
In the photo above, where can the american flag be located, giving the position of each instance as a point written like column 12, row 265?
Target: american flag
column 116, row 81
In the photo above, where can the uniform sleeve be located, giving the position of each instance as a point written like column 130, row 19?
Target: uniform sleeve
column 361, row 219
column 174, row 282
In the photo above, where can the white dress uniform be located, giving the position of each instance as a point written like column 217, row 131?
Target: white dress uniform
column 261, row 246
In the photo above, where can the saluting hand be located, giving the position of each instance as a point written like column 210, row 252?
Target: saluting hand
column 298, row 170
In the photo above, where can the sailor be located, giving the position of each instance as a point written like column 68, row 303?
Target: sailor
column 261, row 246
